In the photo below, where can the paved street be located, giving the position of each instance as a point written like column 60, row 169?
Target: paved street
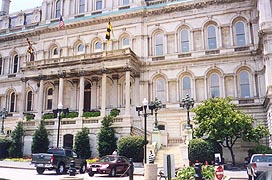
column 24, row 170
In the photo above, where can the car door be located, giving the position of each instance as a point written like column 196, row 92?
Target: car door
column 123, row 167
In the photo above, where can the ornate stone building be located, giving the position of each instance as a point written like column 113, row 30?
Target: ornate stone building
column 158, row 48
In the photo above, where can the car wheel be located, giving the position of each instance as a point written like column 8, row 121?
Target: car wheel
column 40, row 170
column 113, row 172
column 91, row 174
column 60, row 169
column 82, row 168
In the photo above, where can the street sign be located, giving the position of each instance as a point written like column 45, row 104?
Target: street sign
column 219, row 172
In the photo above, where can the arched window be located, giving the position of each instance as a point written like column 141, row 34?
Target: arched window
column 214, row 85
column 80, row 48
column 161, row 89
column 58, row 8
column 125, row 2
column 55, row 52
column 12, row 102
column 49, row 102
column 159, row 44
column 184, row 40
column 212, row 37
column 98, row 4
column 125, row 42
column 81, row 6
column 15, row 64
column 240, row 34
column 98, row 46
column 244, row 84
column 186, row 86
column 29, row 101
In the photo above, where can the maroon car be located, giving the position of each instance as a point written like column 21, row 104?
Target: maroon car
column 110, row 165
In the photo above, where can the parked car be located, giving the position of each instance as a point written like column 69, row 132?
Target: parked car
column 111, row 165
column 266, row 175
column 258, row 164
column 58, row 159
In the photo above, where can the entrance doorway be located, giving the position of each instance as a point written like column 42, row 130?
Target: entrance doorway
column 68, row 141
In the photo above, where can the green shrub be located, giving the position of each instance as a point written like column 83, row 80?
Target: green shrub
column 48, row 116
column 29, row 116
column 40, row 140
column 91, row 114
column 16, row 147
column 132, row 147
column 4, row 146
column 114, row 112
column 187, row 173
column 202, row 150
column 70, row 115
column 259, row 149
column 82, row 143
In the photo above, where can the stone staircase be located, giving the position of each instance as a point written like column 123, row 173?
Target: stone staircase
column 179, row 151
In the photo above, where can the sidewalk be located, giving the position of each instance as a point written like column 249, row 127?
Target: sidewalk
column 138, row 170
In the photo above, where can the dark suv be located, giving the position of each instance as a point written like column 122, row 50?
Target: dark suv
column 110, row 165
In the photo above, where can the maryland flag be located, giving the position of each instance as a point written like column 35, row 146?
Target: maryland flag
column 109, row 29
column 30, row 50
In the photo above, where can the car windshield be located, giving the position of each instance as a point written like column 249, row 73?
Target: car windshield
column 107, row 159
column 262, row 158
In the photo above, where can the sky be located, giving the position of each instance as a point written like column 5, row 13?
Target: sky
column 18, row 5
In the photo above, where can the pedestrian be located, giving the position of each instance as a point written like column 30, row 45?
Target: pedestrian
column 115, row 152
column 151, row 157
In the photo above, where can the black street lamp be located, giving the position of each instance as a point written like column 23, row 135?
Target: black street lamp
column 187, row 103
column 157, row 105
column 58, row 112
column 145, row 114
column 3, row 114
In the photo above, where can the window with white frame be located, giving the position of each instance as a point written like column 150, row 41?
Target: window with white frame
column 98, row 46
column 80, row 49
column 98, row 5
column 240, row 34
column 214, row 85
column 161, row 89
column 211, row 34
column 55, row 52
column 186, row 86
column 244, row 84
column 125, row 2
column 58, row 9
column 49, row 102
column 29, row 101
column 15, row 64
column 81, row 6
column 159, row 44
column 125, row 42
column 12, row 100
column 184, row 40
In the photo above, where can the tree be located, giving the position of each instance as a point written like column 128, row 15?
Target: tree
column 219, row 119
column 40, row 140
column 107, row 142
column 16, row 148
column 82, row 143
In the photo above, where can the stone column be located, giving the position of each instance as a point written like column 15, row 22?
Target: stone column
column 81, row 96
column 104, row 93
column 94, row 93
column 115, row 78
column 127, row 110
column 137, row 90
column 40, row 100
column 60, row 101
column 23, row 95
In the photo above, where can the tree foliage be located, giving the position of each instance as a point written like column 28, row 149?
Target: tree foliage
column 82, row 143
column 17, row 135
column 219, row 119
column 132, row 147
column 40, row 140
column 4, row 146
column 107, row 142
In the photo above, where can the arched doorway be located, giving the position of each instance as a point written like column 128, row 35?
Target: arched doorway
column 87, row 97
column 68, row 141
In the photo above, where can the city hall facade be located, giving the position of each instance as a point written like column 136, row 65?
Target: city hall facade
column 157, row 48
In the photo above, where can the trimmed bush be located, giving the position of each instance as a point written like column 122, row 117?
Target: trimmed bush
column 91, row 114
column 132, row 147
column 82, row 143
column 4, row 146
column 17, row 135
column 202, row 150
column 114, row 112
column 259, row 149
column 40, row 140
column 29, row 116
column 70, row 115
column 48, row 116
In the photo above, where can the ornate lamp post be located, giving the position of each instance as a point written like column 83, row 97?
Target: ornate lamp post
column 58, row 113
column 187, row 103
column 145, row 114
column 157, row 105
column 3, row 114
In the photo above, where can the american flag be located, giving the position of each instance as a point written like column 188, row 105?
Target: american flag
column 61, row 22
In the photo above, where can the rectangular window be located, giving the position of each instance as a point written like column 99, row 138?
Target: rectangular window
column 82, row 6
column 98, row 4
column 125, row 2
column 49, row 104
column 28, row 19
